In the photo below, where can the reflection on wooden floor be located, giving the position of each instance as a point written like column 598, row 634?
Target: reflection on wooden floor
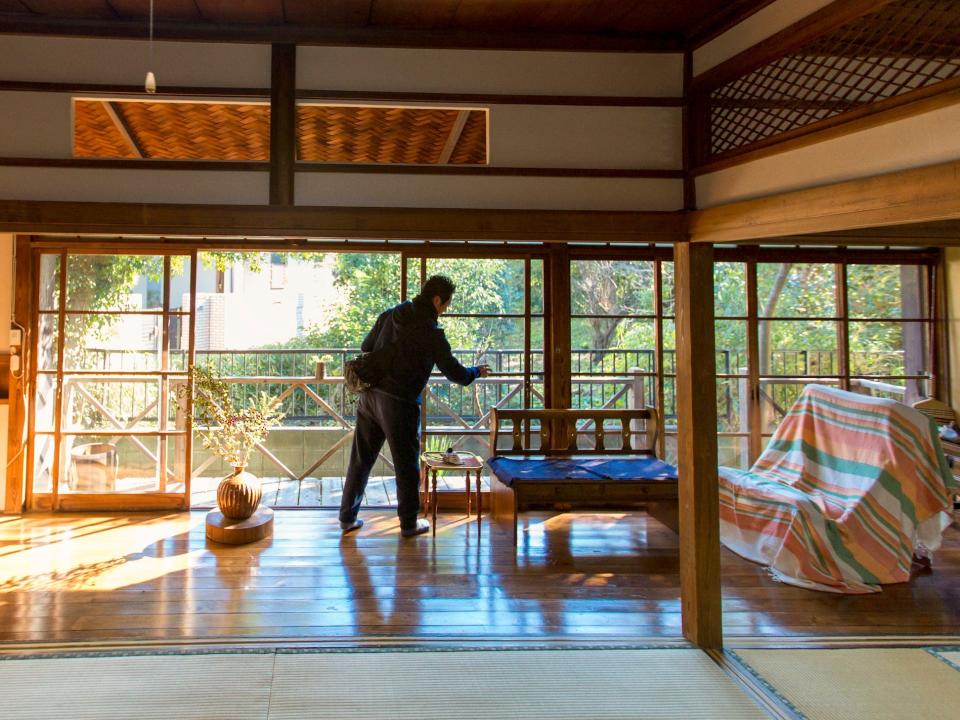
column 102, row 576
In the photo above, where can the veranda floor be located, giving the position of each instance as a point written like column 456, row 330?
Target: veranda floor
column 99, row 577
column 314, row 492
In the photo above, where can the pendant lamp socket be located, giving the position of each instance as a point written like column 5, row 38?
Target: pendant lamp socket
column 150, row 84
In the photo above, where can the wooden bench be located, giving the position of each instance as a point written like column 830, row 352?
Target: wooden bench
column 573, row 459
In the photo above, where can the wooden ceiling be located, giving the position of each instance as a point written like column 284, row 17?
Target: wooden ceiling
column 122, row 129
column 615, row 25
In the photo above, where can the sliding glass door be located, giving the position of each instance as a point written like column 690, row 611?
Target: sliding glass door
column 112, row 336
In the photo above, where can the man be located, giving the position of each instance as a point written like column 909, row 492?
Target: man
column 391, row 409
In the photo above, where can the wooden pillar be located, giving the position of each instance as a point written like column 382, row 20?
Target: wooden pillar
column 17, row 419
column 283, row 114
column 557, row 326
column 697, row 446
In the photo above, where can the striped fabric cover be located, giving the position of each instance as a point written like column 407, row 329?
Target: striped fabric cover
column 846, row 490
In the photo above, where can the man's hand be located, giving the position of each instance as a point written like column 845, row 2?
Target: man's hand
column 484, row 370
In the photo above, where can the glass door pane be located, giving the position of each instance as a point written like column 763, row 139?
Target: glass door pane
column 114, row 429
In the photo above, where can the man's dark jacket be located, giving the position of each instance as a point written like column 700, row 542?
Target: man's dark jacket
column 422, row 345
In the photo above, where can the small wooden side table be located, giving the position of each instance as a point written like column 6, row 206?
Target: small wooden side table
column 432, row 462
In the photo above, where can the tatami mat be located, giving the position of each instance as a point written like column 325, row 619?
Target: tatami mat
column 599, row 684
column 859, row 684
column 185, row 687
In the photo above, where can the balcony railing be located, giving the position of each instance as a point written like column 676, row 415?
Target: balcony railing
column 314, row 437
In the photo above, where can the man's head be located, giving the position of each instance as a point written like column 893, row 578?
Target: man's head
column 438, row 289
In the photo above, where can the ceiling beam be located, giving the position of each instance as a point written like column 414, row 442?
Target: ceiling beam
column 346, row 36
column 732, row 13
column 918, row 195
column 341, row 222
column 785, row 42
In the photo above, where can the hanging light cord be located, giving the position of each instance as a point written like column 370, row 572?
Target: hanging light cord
column 150, row 44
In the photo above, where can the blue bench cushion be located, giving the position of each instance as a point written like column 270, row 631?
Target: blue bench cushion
column 574, row 469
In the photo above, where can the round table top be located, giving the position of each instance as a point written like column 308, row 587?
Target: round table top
column 434, row 460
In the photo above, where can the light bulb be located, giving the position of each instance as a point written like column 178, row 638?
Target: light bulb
column 150, row 84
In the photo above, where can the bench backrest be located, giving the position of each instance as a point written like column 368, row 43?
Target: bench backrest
column 557, row 432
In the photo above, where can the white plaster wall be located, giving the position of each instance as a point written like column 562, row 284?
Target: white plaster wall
column 464, row 191
column 124, row 62
column 36, row 125
column 927, row 139
column 759, row 26
column 585, row 137
column 489, row 71
column 134, row 186
column 39, row 125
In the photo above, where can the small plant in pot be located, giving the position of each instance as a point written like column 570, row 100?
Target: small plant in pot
column 231, row 432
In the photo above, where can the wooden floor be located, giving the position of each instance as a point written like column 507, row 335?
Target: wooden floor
column 605, row 575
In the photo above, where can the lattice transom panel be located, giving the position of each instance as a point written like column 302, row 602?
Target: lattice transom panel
column 904, row 46
column 179, row 130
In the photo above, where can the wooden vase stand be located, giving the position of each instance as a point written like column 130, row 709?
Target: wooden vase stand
column 226, row 530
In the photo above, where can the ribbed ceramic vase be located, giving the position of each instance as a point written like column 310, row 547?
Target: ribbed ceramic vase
column 238, row 494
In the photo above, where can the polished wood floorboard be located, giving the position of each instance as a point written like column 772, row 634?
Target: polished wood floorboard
column 99, row 577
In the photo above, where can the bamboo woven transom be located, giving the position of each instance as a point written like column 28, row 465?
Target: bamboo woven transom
column 904, row 46
column 170, row 130
column 389, row 135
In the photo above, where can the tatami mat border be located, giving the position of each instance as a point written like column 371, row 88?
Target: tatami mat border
column 767, row 688
column 936, row 652
column 318, row 650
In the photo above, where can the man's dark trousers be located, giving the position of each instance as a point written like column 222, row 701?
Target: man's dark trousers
column 384, row 417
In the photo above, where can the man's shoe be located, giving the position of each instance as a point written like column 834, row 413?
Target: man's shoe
column 420, row 528
column 347, row 527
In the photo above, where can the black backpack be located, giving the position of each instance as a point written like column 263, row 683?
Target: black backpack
column 369, row 368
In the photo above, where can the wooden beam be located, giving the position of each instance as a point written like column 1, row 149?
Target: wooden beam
column 341, row 222
column 455, row 132
column 697, row 446
column 923, row 194
column 283, row 123
column 330, row 167
column 557, row 328
column 369, row 36
column 378, row 96
column 786, row 41
column 115, row 113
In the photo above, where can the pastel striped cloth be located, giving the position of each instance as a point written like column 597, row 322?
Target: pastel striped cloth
column 846, row 490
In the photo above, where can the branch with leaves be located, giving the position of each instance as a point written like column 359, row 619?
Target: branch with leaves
column 224, row 429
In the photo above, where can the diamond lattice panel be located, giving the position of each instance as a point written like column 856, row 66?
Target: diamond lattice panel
column 906, row 45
